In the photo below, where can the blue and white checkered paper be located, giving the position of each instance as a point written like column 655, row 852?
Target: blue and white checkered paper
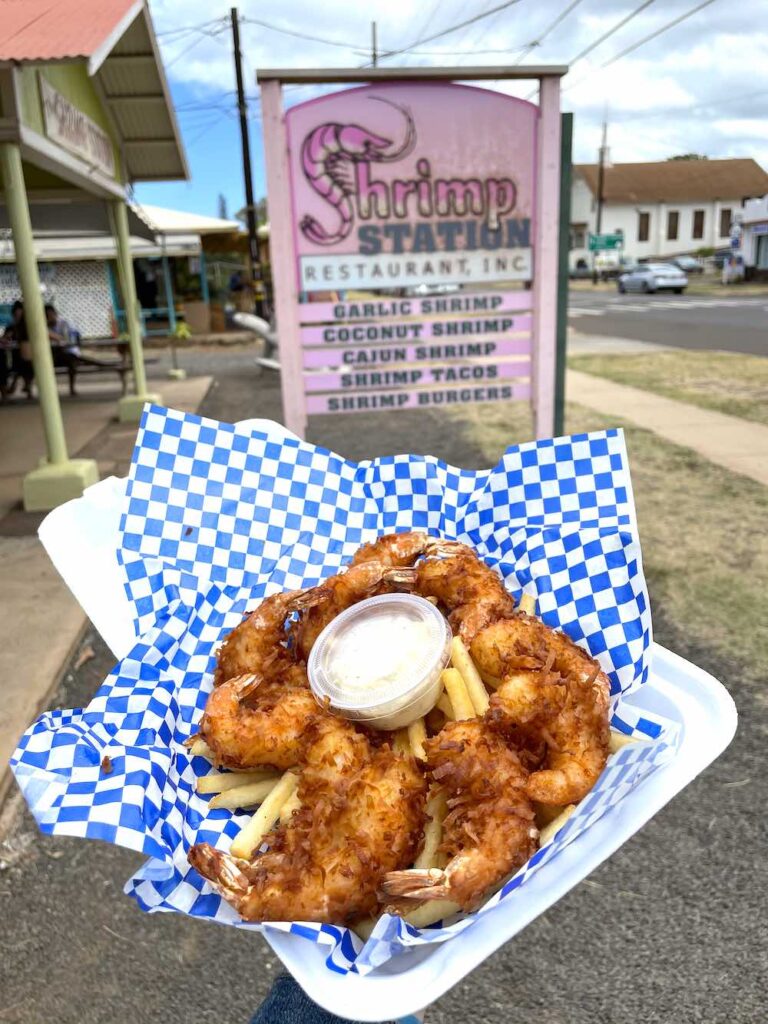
column 216, row 518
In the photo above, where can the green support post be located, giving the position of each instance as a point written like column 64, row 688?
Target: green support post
column 205, row 294
column 566, row 137
column 59, row 478
column 130, row 407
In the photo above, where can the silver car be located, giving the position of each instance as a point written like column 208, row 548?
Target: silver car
column 653, row 277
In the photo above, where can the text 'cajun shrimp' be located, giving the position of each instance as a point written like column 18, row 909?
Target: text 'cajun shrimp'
column 468, row 589
column 329, row 157
column 552, row 691
column 361, row 815
column 489, row 831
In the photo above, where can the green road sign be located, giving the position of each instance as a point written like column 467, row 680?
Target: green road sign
column 598, row 242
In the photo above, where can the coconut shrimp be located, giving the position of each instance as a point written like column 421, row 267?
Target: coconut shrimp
column 489, row 831
column 469, row 590
column 258, row 643
column 550, row 691
column 361, row 815
column 395, row 549
column 249, row 722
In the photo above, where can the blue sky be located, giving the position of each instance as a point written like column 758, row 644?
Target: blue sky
column 699, row 86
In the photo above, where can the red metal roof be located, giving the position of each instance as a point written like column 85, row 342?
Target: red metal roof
column 32, row 30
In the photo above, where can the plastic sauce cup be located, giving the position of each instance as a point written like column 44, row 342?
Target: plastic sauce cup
column 379, row 662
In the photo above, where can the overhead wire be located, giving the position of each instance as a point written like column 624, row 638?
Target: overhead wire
column 301, row 35
column 450, row 29
column 525, row 50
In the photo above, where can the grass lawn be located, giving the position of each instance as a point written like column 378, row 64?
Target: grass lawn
column 702, row 532
column 728, row 382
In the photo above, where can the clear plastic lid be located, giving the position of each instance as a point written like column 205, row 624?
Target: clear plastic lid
column 380, row 660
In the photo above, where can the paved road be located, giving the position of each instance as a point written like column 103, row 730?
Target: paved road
column 669, row 930
column 732, row 324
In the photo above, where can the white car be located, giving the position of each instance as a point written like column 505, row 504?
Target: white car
column 653, row 277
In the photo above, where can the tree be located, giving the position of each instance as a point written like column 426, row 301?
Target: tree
column 688, row 156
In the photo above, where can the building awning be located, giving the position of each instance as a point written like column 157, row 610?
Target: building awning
column 64, row 216
column 179, row 222
column 117, row 40
column 58, row 247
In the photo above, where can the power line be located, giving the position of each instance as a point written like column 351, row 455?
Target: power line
column 611, row 31
column 452, row 28
column 195, row 42
column 543, row 35
column 658, row 32
column 301, row 35
column 643, row 41
column 188, row 28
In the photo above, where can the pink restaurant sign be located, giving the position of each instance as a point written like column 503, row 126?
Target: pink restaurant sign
column 420, row 206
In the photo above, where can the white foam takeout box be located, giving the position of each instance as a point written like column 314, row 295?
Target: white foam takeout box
column 81, row 538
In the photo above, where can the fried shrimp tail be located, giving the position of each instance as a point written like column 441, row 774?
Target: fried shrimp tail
column 489, row 831
column 360, row 814
column 470, row 592
column 552, row 694
column 258, row 643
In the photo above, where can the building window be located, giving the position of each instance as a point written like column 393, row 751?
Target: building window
column 578, row 237
column 725, row 222
column 673, row 223
column 643, row 227
column 761, row 261
column 698, row 223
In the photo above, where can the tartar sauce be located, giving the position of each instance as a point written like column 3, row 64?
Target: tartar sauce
column 373, row 653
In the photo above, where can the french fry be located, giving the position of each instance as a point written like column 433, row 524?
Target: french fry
column 245, row 796
column 220, row 782
column 433, row 831
column 620, row 739
column 201, row 749
column 527, row 604
column 444, row 705
column 417, row 733
column 251, row 835
column 291, row 804
column 545, row 813
column 461, row 660
column 431, row 911
column 550, row 831
column 400, row 743
column 365, row 927
column 457, row 694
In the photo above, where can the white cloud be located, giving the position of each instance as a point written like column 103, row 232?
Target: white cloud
column 692, row 88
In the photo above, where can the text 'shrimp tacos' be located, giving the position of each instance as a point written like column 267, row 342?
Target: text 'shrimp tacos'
column 400, row 798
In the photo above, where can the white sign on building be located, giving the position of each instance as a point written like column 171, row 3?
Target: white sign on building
column 75, row 131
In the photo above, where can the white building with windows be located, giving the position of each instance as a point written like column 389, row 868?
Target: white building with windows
column 663, row 209
column 754, row 238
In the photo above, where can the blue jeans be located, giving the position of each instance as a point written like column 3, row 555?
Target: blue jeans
column 288, row 1004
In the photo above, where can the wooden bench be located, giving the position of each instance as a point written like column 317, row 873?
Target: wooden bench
column 87, row 365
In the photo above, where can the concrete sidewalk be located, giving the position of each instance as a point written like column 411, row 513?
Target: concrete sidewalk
column 41, row 620
column 729, row 441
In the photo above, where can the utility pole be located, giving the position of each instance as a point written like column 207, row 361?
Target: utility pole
column 250, row 207
column 600, row 191
column 374, row 46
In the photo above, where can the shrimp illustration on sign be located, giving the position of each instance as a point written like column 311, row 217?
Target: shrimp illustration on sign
column 328, row 158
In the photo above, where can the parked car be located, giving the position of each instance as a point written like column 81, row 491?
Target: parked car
column 688, row 264
column 654, row 277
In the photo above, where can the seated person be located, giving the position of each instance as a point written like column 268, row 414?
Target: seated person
column 64, row 343
column 15, row 354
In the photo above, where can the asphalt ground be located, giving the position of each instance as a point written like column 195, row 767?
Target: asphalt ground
column 729, row 324
column 669, row 931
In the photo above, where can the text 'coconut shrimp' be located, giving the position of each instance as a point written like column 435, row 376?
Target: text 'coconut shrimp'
column 489, row 831
column 361, row 815
column 552, row 693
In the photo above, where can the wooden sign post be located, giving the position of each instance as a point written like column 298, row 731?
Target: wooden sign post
column 432, row 209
